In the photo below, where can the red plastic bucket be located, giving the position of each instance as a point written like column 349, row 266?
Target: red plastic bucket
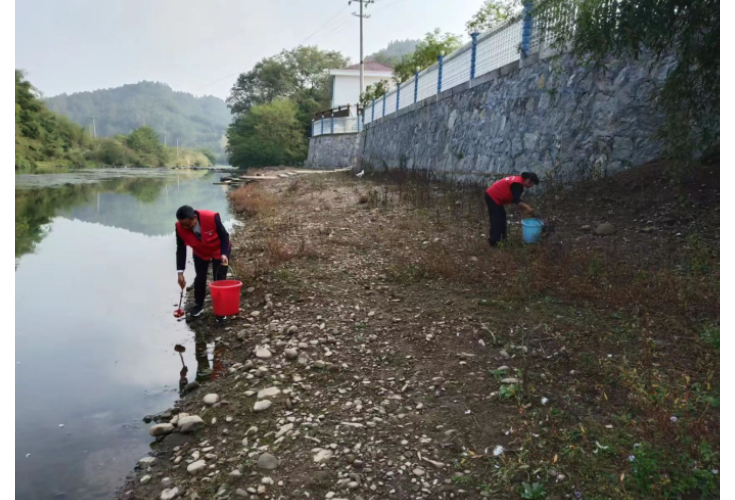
column 225, row 297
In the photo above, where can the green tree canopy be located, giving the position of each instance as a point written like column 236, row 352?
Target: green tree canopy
column 268, row 134
column 426, row 53
column 373, row 91
column 284, row 75
column 491, row 14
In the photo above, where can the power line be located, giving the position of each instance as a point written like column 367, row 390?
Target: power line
column 341, row 11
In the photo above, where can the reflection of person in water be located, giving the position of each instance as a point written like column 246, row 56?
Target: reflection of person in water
column 183, row 381
column 205, row 371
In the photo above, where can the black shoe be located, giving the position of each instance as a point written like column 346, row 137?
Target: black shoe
column 196, row 310
column 220, row 319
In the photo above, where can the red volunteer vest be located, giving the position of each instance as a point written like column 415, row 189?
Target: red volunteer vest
column 210, row 246
column 500, row 191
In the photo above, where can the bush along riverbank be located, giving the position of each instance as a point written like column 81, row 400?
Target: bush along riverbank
column 384, row 351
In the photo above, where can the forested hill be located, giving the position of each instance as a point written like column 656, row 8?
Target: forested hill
column 198, row 122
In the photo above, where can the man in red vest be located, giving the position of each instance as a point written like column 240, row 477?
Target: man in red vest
column 202, row 230
column 504, row 192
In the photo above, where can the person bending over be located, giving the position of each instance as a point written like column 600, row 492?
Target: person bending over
column 202, row 230
column 504, row 192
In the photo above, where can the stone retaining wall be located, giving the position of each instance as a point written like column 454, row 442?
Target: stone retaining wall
column 553, row 116
column 334, row 151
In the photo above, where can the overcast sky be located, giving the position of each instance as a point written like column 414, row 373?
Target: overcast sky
column 200, row 46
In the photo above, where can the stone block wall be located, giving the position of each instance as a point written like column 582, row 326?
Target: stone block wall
column 329, row 152
column 553, row 116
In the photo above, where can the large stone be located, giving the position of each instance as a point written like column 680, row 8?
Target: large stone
column 191, row 423
column 210, row 399
column 261, row 405
column 196, row 467
column 267, row 461
column 161, row 429
column 605, row 229
column 263, row 353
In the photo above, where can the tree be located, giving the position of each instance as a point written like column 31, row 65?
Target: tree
column 689, row 30
column 373, row 91
column 426, row 53
column 394, row 52
column 491, row 14
column 195, row 121
column 268, row 134
column 285, row 75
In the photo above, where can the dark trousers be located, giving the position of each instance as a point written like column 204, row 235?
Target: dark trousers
column 201, row 267
column 498, row 221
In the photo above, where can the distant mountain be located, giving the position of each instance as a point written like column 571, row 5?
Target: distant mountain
column 394, row 52
column 197, row 122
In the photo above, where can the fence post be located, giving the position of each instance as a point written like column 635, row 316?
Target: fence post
column 415, row 85
column 359, row 122
column 473, row 58
column 322, row 132
column 383, row 105
column 439, row 79
column 527, row 30
column 331, row 124
column 398, row 96
column 372, row 112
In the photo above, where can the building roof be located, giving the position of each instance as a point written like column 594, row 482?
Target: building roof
column 372, row 66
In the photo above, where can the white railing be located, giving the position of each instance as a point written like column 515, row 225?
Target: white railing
column 341, row 125
column 511, row 41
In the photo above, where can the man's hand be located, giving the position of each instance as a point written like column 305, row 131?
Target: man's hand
column 527, row 209
column 225, row 260
column 182, row 281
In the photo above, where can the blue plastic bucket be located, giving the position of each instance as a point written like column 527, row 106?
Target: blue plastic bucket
column 532, row 229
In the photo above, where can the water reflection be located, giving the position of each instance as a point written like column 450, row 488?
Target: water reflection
column 141, row 205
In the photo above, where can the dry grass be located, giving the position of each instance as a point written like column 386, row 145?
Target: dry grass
column 253, row 200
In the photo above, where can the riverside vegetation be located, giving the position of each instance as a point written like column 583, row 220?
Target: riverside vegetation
column 48, row 142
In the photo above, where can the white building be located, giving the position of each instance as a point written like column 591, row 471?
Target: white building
column 345, row 83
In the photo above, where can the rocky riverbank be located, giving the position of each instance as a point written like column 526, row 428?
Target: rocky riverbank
column 375, row 356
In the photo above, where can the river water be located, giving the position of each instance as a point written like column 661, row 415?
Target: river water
column 95, row 289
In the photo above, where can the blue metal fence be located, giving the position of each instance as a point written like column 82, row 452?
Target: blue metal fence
column 515, row 39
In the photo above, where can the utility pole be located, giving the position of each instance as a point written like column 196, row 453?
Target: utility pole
column 362, row 57
column 94, row 127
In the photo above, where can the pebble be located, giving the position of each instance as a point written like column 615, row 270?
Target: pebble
column 235, row 474
column 586, row 227
column 269, row 392
column 605, row 229
column 241, row 493
column 322, row 455
column 161, row 429
column 261, row 406
column 166, row 482
column 284, row 429
column 146, row 461
column 510, row 380
column 267, row 461
column 291, row 353
column 170, row 494
column 145, row 479
column 418, row 471
column 210, row 399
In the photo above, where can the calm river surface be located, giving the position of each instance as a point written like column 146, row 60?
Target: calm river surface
column 95, row 288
